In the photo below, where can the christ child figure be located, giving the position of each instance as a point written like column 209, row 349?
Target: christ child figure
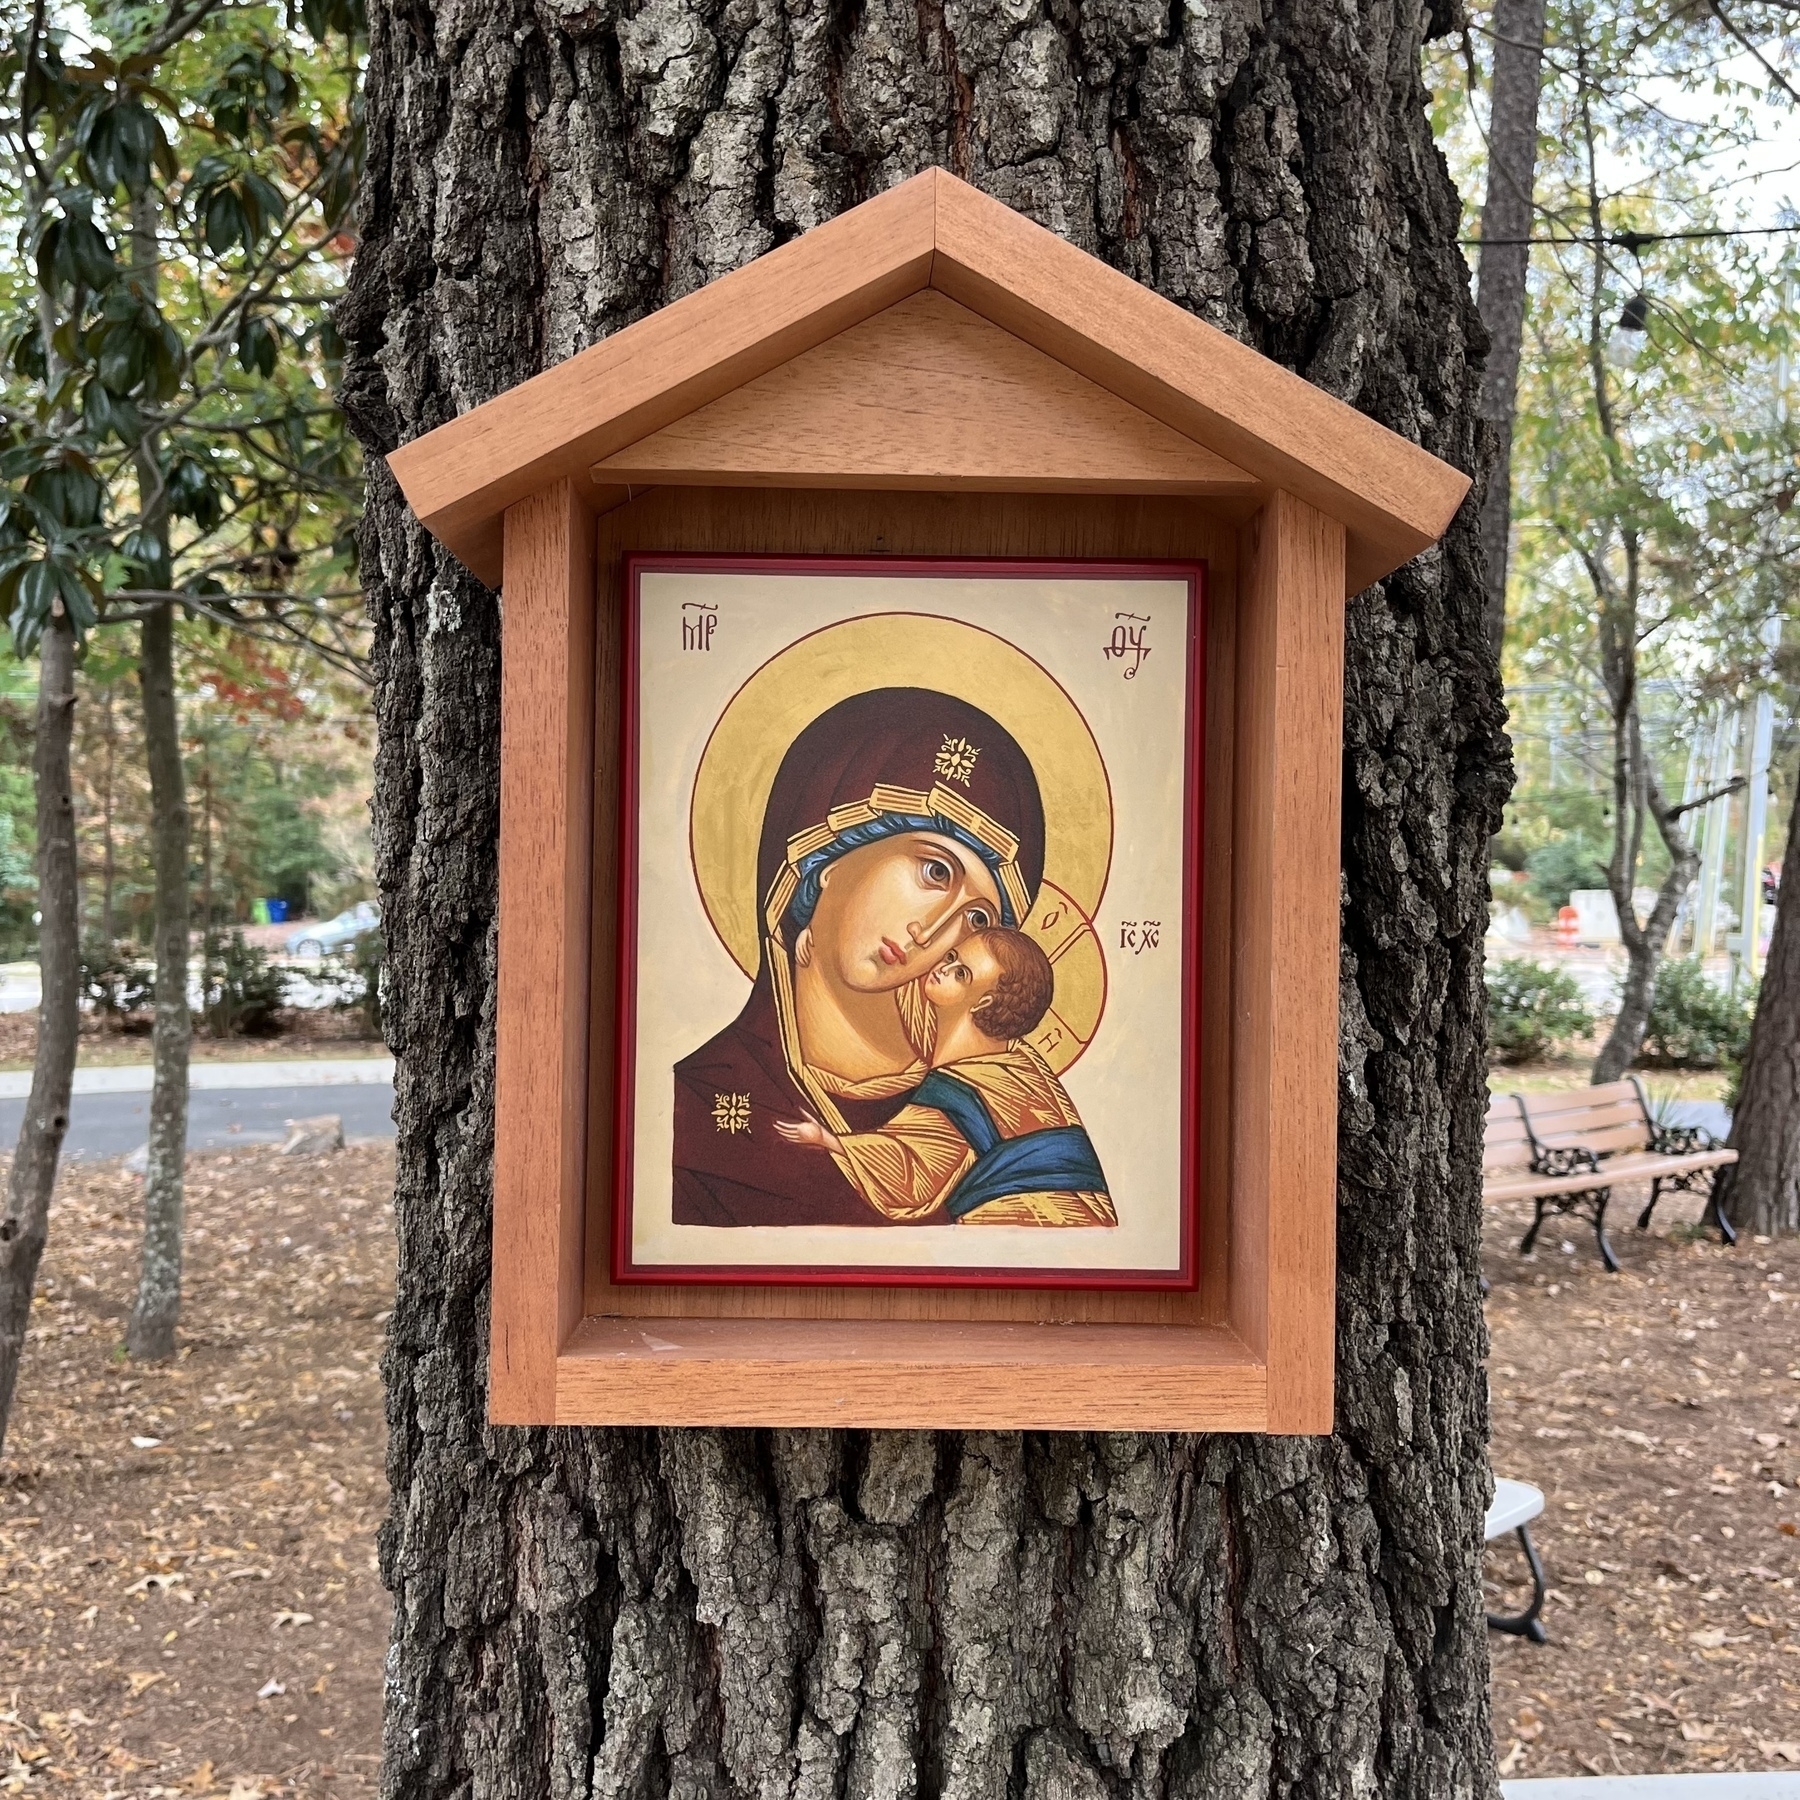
column 989, row 1137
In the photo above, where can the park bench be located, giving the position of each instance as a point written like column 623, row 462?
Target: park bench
column 1515, row 1505
column 1567, row 1151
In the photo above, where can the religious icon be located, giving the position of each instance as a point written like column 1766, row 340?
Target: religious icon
column 870, row 1029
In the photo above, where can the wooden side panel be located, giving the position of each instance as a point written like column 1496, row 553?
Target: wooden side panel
column 926, row 395
column 793, row 522
column 909, row 1374
column 1285, row 977
column 546, row 844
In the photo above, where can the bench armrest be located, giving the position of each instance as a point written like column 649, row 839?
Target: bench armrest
column 1681, row 1140
column 1572, row 1159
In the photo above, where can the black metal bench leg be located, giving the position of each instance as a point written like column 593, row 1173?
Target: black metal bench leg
column 1606, row 1249
column 1715, row 1212
column 1530, row 1237
column 1655, row 1195
column 1526, row 1624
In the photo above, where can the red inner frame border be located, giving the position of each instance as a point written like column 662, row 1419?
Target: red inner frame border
column 1186, row 1277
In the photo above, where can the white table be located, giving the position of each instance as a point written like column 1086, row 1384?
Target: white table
column 1515, row 1505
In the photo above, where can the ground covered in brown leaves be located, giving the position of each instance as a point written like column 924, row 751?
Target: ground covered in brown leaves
column 301, row 1032
column 188, row 1596
column 1659, row 1410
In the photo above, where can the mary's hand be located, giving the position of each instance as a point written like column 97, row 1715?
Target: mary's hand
column 806, row 1131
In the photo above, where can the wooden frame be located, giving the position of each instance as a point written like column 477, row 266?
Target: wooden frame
column 1252, row 1348
column 739, row 420
column 621, row 1019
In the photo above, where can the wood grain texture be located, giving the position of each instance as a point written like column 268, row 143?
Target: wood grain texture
column 1285, row 966
column 1505, row 1139
column 932, row 231
column 789, row 522
column 546, row 862
column 1268, row 1011
column 904, row 1375
column 926, row 394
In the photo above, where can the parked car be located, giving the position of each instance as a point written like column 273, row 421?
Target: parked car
column 353, row 922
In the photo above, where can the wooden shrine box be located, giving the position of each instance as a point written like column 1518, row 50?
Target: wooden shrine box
column 929, row 375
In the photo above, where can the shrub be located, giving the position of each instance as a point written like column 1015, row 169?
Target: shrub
column 353, row 977
column 1532, row 1010
column 243, row 990
column 1563, row 864
column 1694, row 1023
column 116, row 985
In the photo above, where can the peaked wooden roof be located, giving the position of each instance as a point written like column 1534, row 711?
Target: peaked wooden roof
column 1263, row 426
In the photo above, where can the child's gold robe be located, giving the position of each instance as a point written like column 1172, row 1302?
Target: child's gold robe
column 911, row 1169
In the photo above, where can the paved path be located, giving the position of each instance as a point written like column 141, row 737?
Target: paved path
column 228, row 1103
column 134, row 1078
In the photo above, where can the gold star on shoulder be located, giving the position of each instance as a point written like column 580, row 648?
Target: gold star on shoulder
column 731, row 1112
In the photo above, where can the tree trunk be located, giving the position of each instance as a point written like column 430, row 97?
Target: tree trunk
column 108, row 855
column 1506, row 221
column 1638, row 801
column 150, row 1336
column 719, row 1613
column 1763, row 1193
column 25, row 1224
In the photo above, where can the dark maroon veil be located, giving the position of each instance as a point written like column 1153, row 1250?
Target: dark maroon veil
column 731, row 1166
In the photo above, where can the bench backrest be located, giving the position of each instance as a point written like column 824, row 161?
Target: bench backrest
column 1605, row 1120
column 1506, row 1143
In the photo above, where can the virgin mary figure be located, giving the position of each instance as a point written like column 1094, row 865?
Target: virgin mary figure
column 901, row 821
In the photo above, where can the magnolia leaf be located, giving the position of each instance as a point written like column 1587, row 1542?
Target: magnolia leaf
column 258, row 345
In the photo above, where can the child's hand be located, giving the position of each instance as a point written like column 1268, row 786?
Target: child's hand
column 807, row 1131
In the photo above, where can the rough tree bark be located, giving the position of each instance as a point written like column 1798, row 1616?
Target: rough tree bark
column 818, row 1613
column 1763, row 1194
column 25, row 1223
column 1506, row 221
column 150, row 1334
column 1638, row 800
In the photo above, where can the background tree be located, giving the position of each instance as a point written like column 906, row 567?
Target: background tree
column 642, row 1612
column 1763, row 1192
column 1654, row 460
column 25, row 1222
column 185, row 170
column 1508, row 223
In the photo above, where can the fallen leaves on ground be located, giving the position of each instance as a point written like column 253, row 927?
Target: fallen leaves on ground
column 203, row 1616
column 1659, row 1411
column 188, row 1597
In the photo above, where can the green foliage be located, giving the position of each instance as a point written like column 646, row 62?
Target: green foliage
column 1694, row 1023
column 1653, row 485
column 181, row 198
column 354, row 975
column 115, row 983
column 1532, row 1010
column 1563, row 864
column 253, row 791
column 16, row 870
column 242, row 991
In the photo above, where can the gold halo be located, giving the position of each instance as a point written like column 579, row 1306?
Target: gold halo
column 1066, row 935
column 784, row 696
